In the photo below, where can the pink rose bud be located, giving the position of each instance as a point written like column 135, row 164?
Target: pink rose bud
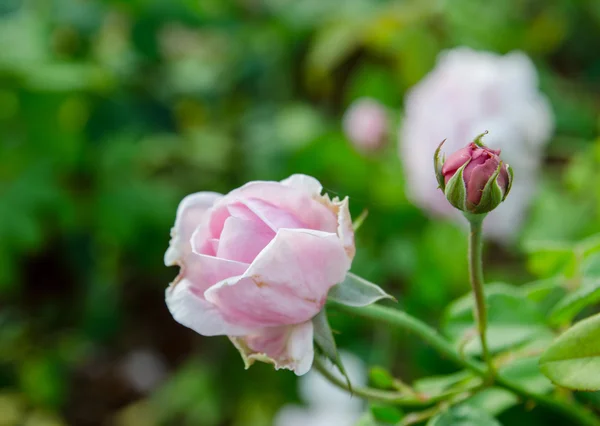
column 257, row 265
column 365, row 124
column 474, row 178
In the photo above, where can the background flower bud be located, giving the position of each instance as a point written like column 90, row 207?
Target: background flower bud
column 366, row 124
column 474, row 178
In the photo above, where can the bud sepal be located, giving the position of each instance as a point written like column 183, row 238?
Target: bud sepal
column 438, row 163
column 456, row 189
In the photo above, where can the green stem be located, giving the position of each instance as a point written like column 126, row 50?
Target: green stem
column 397, row 398
column 402, row 320
column 476, row 278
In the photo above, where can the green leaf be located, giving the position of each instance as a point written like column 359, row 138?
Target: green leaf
column 331, row 45
column 463, row 415
column 548, row 258
column 512, row 321
column 493, row 401
column 386, row 414
column 526, row 372
column 356, row 291
column 545, row 293
column 436, row 385
column 572, row 304
column 381, row 378
column 589, row 245
column 325, row 342
column 367, row 420
column 42, row 380
column 573, row 360
column 591, row 266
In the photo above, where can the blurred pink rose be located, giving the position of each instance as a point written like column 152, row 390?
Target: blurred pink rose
column 467, row 93
column 257, row 264
column 366, row 124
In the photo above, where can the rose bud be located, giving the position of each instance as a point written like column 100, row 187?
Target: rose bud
column 365, row 124
column 257, row 265
column 474, row 178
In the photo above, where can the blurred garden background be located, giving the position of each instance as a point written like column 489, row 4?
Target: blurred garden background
column 111, row 111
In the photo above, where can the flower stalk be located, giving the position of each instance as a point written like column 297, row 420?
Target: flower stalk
column 476, row 279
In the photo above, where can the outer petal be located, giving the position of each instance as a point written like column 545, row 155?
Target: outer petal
column 289, row 347
column 205, row 271
column 190, row 213
column 345, row 228
column 287, row 283
column 190, row 309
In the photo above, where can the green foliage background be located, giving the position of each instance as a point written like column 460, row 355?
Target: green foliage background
column 112, row 110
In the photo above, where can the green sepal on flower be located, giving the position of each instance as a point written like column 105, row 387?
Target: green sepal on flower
column 438, row 163
column 456, row 190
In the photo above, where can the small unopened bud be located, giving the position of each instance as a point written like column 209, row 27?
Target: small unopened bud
column 366, row 124
column 474, row 178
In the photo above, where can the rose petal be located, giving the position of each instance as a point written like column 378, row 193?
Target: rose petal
column 190, row 213
column 287, row 283
column 301, row 203
column 478, row 178
column 305, row 183
column 275, row 217
column 345, row 228
column 289, row 347
column 242, row 240
column 191, row 310
column 205, row 271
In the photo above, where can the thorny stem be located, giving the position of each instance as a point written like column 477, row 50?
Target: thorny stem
column 402, row 320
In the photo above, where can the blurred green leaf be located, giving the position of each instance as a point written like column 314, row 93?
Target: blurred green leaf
column 591, row 266
column 386, row 414
column 547, row 258
column 367, row 420
column 493, row 400
column 545, row 293
column 43, row 381
column 512, row 321
column 189, row 396
column 463, row 415
column 437, row 385
column 573, row 360
column 573, row 303
column 381, row 378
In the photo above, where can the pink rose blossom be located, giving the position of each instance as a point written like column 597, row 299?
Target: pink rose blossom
column 257, row 264
column 366, row 124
